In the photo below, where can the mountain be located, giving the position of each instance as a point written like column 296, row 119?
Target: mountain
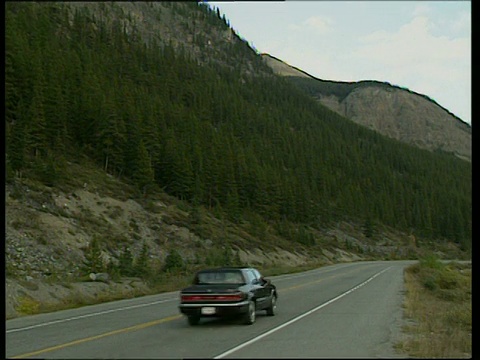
column 187, row 27
column 395, row 112
column 149, row 133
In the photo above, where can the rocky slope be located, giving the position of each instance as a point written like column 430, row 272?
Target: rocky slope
column 180, row 25
column 392, row 111
column 47, row 231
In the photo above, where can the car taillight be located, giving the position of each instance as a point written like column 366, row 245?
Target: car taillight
column 192, row 298
column 229, row 297
column 213, row 297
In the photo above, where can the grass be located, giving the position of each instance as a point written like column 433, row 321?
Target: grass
column 438, row 305
column 28, row 306
column 165, row 282
column 283, row 269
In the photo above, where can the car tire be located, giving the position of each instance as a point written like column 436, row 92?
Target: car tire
column 273, row 305
column 249, row 317
column 193, row 320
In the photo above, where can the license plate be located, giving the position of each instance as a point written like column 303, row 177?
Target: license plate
column 208, row 310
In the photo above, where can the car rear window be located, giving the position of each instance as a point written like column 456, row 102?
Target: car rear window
column 220, row 277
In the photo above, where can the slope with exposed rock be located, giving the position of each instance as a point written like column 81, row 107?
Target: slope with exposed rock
column 48, row 231
column 392, row 111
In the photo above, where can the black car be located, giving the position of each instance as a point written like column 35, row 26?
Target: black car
column 228, row 291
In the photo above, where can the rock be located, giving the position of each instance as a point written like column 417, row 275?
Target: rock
column 103, row 277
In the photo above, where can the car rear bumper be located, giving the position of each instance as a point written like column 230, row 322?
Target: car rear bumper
column 225, row 309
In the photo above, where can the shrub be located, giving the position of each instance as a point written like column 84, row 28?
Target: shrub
column 28, row 306
column 142, row 267
column 93, row 262
column 432, row 262
column 125, row 262
column 173, row 261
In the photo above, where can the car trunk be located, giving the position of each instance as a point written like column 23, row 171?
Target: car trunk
column 211, row 288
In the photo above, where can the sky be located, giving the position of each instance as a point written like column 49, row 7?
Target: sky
column 424, row 46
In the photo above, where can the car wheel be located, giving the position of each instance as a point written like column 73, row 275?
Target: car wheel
column 273, row 305
column 193, row 320
column 250, row 315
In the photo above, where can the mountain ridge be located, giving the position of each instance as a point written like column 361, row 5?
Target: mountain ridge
column 393, row 115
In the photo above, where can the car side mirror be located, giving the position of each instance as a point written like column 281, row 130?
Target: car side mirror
column 265, row 281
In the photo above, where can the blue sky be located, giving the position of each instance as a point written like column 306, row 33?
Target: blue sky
column 424, row 46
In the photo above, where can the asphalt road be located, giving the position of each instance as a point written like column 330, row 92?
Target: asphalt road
column 344, row 310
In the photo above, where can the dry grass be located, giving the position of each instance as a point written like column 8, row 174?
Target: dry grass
column 28, row 306
column 439, row 305
column 165, row 282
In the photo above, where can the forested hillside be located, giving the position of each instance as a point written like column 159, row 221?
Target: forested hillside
column 391, row 110
column 216, row 136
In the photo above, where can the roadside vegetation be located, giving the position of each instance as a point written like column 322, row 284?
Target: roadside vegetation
column 438, row 306
column 178, row 275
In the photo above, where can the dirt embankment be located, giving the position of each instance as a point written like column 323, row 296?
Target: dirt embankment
column 48, row 230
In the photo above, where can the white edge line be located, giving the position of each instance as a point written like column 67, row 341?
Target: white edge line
column 86, row 316
column 298, row 317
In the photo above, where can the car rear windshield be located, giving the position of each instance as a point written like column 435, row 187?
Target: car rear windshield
column 220, row 277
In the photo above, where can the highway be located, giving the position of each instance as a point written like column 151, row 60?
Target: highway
column 339, row 311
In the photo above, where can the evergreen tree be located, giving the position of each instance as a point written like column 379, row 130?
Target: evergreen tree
column 36, row 136
column 368, row 228
column 142, row 266
column 93, row 262
column 16, row 142
column 125, row 262
column 173, row 261
column 144, row 175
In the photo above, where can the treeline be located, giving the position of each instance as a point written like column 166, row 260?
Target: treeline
column 209, row 134
column 340, row 89
column 141, row 265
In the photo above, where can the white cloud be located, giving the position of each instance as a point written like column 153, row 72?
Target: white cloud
column 320, row 24
column 412, row 45
column 421, row 9
column 413, row 57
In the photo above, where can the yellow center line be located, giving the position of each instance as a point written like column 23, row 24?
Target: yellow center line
column 141, row 326
column 76, row 342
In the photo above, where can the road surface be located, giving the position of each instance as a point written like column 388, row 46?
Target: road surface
column 338, row 311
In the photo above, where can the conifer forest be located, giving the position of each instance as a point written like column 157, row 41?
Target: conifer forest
column 216, row 136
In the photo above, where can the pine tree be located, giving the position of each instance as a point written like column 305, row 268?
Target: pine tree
column 368, row 228
column 125, row 262
column 37, row 140
column 93, row 262
column 144, row 175
column 16, row 143
column 142, row 266
column 173, row 261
